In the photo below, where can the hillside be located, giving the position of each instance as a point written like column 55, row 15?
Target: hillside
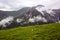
column 34, row 32
column 4, row 14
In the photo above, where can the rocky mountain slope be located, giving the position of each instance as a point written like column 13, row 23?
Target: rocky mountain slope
column 32, row 17
column 4, row 14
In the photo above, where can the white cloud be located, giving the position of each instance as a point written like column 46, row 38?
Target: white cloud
column 17, row 4
column 7, row 20
column 19, row 20
column 32, row 20
column 54, row 4
column 37, row 18
column 5, row 7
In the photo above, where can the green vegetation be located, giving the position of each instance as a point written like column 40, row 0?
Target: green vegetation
column 35, row 32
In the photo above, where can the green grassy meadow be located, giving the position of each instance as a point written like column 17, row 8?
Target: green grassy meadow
column 34, row 32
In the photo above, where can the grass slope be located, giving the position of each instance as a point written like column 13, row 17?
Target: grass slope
column 37, row 32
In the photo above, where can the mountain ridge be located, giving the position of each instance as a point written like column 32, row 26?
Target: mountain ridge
column 13, row 13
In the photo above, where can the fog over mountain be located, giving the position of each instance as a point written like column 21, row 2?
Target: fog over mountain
column 15, row 13
column 31, row 17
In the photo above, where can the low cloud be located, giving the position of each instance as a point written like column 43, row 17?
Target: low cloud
column 7, row 21
column 38, row 19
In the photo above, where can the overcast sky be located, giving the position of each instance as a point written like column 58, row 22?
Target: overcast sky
column 9, row 5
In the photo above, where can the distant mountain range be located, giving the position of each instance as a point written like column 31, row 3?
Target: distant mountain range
column 4, row 14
